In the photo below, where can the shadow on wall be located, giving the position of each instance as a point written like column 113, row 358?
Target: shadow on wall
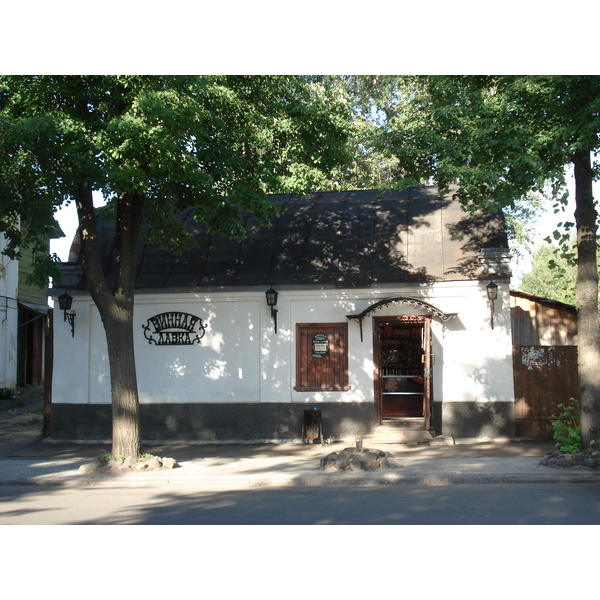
column 466, row 239
column 478, row 420
column 489, row 412
column 268, row 421
column 534, row 324
column 354, row 239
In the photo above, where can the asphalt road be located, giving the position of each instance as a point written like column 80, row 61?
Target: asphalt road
column 465, row 504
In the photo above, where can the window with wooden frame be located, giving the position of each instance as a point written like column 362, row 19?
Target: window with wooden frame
column 321, row 357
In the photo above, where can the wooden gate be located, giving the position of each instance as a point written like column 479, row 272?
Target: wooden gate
column 544, row 377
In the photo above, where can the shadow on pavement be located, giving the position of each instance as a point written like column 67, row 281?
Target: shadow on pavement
column 21, row 427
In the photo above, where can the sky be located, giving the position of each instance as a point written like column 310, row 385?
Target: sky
column 67, row 219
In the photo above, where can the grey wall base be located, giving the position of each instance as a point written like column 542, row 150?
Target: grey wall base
column 273, row 422
column 214, row 422
column 494, row 420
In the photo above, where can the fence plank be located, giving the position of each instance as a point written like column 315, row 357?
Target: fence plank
column 544, row 376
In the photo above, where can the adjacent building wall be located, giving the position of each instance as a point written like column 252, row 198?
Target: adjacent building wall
column 544, row 334
column 23, row 310
column 541, row 322
column 9, row 318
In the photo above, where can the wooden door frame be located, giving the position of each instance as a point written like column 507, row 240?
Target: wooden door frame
column 402, row 320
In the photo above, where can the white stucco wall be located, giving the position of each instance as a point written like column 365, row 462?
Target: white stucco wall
column 476, row 359
column 9, row 318
column 241, row 359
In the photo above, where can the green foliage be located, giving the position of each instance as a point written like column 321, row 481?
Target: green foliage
column 107, row 457
column 522, row 220
column 371, row 164
column 217, row 144
column 553, row 272
column 551, row 275
column 501, row 137
column 7, row 393
column 567, row 429
column 156, row 146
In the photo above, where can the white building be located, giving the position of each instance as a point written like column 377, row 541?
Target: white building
column 9, row 318
column 23, row 317
column 382, row 319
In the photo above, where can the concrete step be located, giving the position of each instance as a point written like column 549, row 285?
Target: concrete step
column 403, row 423
column 393, row 434
column 398, row 435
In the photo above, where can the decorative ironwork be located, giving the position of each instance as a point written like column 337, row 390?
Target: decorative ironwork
column 70, row 317
column 413, row 302
column 271, row 303
column 492, row 294
column 174, row 329
column 65, row 301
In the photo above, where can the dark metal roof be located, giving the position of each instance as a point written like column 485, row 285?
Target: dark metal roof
column 349, row 239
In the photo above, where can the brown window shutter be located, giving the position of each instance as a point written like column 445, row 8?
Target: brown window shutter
column 322, row 357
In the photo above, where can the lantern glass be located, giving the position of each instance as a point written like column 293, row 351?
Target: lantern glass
column 271, row 297
column 492, row 290
column 65, row 301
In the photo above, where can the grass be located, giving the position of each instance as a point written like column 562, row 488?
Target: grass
column 13, row 405
column 7, row 393
column 106, row 457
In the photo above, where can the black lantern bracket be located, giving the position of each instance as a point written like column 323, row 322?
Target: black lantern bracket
column 272, row 295
column 492, row 294
column 64, row 302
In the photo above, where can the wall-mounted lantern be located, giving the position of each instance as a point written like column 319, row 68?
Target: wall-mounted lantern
column 272, row 303
column 64, row 303
column 492, row 294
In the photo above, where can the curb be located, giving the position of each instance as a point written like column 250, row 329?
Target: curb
column 74, row 479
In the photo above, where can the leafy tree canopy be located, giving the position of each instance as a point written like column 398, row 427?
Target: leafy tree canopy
column 551, row 275
column 501, row 137
column 154, row 146
column 216, row 143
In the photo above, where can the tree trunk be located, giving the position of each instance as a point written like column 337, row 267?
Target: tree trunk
column 126, row 433
column 586, row 298
column 116, row 311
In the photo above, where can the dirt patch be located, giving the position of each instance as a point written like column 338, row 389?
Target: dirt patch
column 21, row 425
column 19, row 421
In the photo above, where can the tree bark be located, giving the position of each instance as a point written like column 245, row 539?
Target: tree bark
column 116, row 311
column 127, row 439
column 126, row 431
column 586, row 298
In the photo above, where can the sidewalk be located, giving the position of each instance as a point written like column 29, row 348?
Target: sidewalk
column 243, row 465
column 30, row 461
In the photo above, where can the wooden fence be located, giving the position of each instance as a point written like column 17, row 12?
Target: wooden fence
column 544, row 376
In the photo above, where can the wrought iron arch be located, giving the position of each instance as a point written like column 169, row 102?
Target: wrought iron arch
column 419, row 304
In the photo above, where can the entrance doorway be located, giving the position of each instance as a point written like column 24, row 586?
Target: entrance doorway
column 30, row 347
column 402, row 352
